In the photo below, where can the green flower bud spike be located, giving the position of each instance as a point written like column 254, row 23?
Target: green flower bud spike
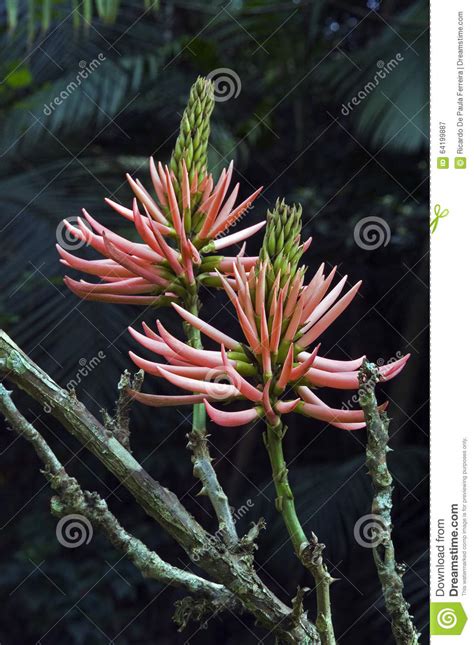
column 192, row 142
column 281, row 246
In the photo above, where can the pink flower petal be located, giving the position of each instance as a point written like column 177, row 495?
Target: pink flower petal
column 162, row 401
column 231, row 419
column 328, row 318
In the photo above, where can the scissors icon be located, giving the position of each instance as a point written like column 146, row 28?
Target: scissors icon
column 439, row 214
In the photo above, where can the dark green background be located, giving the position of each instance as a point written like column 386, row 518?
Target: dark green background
column 298, row 62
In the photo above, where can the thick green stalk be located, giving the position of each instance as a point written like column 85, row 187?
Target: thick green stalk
column 309, row 552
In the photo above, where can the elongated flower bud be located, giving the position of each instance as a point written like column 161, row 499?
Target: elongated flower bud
column 282, row 248
column 192, row 142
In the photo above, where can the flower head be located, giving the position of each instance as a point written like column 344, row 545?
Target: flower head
column 181, row 230
column 280, row 317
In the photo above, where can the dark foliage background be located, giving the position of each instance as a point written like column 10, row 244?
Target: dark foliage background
column 298, row 62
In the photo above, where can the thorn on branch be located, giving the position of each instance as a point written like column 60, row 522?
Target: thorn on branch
column 248, row 541
column 118, row 424
column 297, row 604
column 201, row 610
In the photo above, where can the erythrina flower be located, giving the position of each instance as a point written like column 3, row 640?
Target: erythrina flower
column 181, row 232
column 280, row 318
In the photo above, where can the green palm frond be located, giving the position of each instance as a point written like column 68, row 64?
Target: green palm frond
column 394, row 114
column 39, row 15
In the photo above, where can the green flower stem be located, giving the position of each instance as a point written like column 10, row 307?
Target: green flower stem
column 389, row 571
column 197, row 442
column 309, row 552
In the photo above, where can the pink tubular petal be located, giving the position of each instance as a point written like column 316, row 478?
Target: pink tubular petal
column 336, row 380
column 317, row 294
column 260, row 289
column 213, row 204
column 265, row 345
column 227, row 288
column 227, row 263
column 142, row 363
column 162, row 401
column 285, row 407
column 267, row 405
column 173, row 204
column 329, row 317
column 144, row 230
column 231, row 419
column 207, row 329
column 195, row 356
column 324, row 305
column 331, row 415
column 83, row 291
column 144, row 271
column 128, row 286
column 209, row 388
column 295, row 321
column 312, row 290
column 154, row 345
column 140, row 250
column 121, row 210
column 330, row 365
column 235, row 214
column 146, row 200
column 276, row 325
column 193, row 371
column 309, row 397
column 169, row 253
column 106, row 268
column 235, row 238
column 227, row 207
column 247, row 328
column 157, row 184
column 284, row 377
column 293, row 295
column 302, row 368
column 307, row 244
column 245, row 388
column 391, row 370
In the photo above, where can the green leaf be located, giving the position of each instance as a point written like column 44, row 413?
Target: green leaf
column 20, row 77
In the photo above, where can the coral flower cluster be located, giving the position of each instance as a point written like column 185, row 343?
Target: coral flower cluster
column 181, row 231
column 273, row 368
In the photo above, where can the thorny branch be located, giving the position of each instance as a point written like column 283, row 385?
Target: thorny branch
column 71, row 499
column 389, row 572
column 233, row 569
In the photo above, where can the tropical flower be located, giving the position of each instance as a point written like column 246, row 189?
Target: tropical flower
column 280, row 318
column 181, row 232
